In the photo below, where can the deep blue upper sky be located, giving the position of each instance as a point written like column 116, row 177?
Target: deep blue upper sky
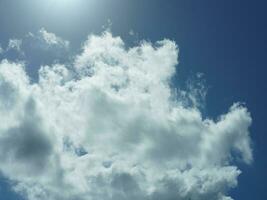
column 225, row 40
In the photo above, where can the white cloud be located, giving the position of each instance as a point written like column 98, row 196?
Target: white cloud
column 44, row 39
column 14, row 44
column 1, row 49
column 131, row 32
column 52, row 39
column 109, row 128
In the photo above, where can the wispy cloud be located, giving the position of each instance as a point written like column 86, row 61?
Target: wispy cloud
column 52, row 39
column 14, row 44
column 1, row 49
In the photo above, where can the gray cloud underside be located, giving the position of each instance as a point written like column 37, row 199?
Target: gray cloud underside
column 111, row 128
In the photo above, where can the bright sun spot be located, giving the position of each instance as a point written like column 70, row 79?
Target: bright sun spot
column 64, row 7
column 63, row 4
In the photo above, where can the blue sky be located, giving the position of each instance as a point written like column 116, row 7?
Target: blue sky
column 224, row 40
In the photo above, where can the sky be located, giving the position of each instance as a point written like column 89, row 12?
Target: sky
column 132, row 99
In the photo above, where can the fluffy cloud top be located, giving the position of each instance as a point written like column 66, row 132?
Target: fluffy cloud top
column 110, row 127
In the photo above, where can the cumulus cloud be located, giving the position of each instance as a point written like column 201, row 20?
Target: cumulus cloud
column 111, row 127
